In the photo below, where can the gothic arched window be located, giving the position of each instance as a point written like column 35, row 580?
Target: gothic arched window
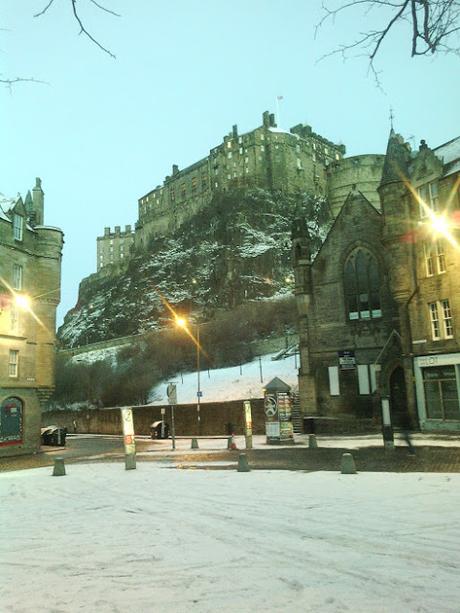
column 362, row 286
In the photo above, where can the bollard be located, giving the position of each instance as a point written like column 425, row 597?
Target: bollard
column 194, row 444
column 59, row 468
column 230, row 442
column 347, row 466
column 130, row 461
column 312, row 442
column 243, row 466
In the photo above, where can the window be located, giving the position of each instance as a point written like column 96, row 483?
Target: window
column 441, row 392
column 13, row 363
column 194, row 183
column 14, row 319
column 18, row 224
column 435, row 258
column 428, row 195
column 262, row 147
column 440, row 312
column 362, row 286
column 363, row 379
column 299, row 164
column 229, row 144
column 17, row 276
column 334, row 387
column 229, row 154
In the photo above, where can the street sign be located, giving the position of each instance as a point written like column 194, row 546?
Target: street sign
column 171, row 391
column 199, row 394
column 347, row 359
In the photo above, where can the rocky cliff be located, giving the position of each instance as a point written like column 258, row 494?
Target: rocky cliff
column 237, row 249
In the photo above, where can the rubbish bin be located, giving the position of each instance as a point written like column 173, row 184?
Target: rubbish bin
column 54, row 436
column 159, row 429
column 309, row 426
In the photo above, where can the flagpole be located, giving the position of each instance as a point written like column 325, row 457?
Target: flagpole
column 278, row 115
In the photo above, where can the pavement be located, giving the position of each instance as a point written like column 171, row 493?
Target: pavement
column 434, row 453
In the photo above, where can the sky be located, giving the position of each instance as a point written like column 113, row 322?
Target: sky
column 101, row 132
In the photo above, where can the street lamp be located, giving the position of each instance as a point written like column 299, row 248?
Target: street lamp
column 182, row 323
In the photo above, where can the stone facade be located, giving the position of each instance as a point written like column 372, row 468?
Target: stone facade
column 114, row 247
column 298, row 160
column 379, row 307
column 30, row 274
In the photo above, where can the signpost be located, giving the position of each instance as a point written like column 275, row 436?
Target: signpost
column 387, row 428
column 248, row 423
column 171, row 391
column 128, row 438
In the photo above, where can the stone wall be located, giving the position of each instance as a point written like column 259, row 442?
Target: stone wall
column 214, row 419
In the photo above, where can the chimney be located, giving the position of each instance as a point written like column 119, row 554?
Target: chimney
column 106, row 231
column 38, row 198
column 272, row 121
column 128, row 229
column 175, row 169
column 266, row 119
column 235, row 131
column 117, row 229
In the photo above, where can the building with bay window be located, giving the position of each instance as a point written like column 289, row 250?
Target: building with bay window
column 379, row 305
column 30, row 278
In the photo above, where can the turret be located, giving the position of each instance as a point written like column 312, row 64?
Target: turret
column 38, row 200
column 301, row 254
column 398, row 225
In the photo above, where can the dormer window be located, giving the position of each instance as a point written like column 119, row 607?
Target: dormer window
column 18, row 226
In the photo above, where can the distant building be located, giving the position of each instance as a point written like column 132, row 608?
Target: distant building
column 114, row 247
column 379, row 306
column 30, row 278
column 298, row 160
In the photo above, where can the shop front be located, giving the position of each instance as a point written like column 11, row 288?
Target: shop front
column 437, row 381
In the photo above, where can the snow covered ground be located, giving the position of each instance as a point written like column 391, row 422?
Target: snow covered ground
column 233, row 383
column 103, row 539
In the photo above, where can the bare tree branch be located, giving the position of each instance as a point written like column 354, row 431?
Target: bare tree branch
column 434, row 24
column 82, row 26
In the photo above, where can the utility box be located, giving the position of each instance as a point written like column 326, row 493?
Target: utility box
column 278, row 413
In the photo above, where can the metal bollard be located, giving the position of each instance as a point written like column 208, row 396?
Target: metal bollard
column 347, row 465
column 194, row 444
column 59, row 468
column 243, row 466
column 312, row 442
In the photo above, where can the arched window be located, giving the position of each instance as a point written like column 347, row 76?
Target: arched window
column 362, row 286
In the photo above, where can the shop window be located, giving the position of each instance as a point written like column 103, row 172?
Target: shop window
column 362, row 286
column 441, row 392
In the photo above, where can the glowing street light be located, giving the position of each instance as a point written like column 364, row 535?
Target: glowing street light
column 23, row 301
column 181, row 322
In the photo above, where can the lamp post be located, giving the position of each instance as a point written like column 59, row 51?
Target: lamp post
column 182, row 323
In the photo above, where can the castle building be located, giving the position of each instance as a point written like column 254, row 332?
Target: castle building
column 379, row 306
column 114, row 247
column 30, row 275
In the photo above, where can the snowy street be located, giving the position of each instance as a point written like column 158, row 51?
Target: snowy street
column 160, row 539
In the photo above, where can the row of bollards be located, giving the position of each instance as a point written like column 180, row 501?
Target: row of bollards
column 347, row 464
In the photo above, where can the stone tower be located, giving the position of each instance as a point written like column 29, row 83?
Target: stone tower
column 303, row 291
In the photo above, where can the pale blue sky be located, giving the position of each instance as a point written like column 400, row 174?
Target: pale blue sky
column 104, row 131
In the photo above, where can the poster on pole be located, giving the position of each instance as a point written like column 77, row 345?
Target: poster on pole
column 128, row 431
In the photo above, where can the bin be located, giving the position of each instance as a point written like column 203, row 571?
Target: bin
column 157, row 431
